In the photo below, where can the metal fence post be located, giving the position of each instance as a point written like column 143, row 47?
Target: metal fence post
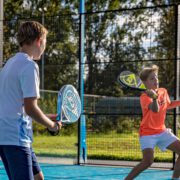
column 82, row 153
column 1, row 33
column 177, row 71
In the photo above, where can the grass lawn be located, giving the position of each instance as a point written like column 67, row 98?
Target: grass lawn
column 60, row 146
column 99, row 146
column 120, row 147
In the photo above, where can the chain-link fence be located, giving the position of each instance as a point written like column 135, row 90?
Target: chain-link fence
column 126, row 39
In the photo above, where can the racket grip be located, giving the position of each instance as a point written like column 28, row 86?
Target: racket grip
column 53, row 133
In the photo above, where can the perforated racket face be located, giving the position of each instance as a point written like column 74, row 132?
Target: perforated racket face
column 69, row 104
column 131, row 80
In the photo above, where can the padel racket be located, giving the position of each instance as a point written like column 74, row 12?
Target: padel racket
column 130, row 80
column 68, row 106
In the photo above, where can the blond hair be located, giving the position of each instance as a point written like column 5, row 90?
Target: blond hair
column 144, row 74
column 29, row 31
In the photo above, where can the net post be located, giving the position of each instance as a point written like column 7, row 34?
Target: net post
column 82, row 152
column 1, row 33
column 177, row 71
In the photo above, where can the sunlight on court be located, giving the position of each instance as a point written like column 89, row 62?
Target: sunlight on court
column 76, row 172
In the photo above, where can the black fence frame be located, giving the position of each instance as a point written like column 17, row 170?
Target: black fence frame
column 175, row 111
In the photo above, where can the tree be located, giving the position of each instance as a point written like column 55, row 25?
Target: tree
column 128, row 39
column 165, row 50
column 61, row 55
column 109, row 44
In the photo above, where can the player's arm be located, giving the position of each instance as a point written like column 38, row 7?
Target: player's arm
column 174, row 104
column 33, row 110
column 154, row 105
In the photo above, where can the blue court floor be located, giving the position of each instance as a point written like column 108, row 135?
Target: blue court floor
column 76, row 172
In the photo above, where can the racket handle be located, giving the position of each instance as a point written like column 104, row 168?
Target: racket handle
column 53, row 133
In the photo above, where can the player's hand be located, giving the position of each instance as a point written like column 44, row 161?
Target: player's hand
column 152, row 93
column 54, row 130
column 53, row 117
column 56, row 127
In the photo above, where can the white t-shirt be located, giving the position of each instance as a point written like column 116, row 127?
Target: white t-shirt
column 19, row 79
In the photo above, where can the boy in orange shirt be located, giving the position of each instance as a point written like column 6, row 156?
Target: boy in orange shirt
column 154, row 103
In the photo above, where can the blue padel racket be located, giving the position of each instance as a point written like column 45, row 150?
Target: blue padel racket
column 68, row 106
column 130, row 80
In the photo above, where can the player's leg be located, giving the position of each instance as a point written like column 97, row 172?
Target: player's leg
column 175, row 147
column 5, row 162
column 38, row 175
column 147, row 146
column 168, row 140
column 19, row 162
column 148, row 158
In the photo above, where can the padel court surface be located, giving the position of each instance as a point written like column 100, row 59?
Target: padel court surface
column 76, row 172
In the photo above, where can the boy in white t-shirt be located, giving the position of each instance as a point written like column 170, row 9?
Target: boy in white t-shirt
column 19, row 93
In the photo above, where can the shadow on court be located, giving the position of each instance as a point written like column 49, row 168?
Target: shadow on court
column 75, row 172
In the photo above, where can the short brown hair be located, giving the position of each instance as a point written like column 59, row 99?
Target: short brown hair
column 147, row 71
column 29, row 31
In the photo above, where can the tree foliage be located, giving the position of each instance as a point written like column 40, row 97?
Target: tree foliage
column 129, row 37
column 114, row 40
column 61, row 55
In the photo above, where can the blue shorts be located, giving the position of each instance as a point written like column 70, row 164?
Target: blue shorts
column 20, row 162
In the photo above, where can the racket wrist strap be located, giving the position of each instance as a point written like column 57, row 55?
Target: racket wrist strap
column 58, row 126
